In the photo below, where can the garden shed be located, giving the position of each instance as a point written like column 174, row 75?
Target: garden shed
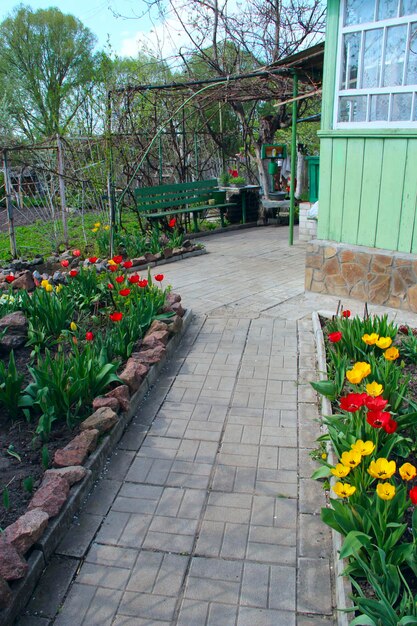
column 367, row 237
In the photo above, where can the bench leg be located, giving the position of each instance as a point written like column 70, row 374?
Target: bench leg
column 195, row 222
column 222, row 217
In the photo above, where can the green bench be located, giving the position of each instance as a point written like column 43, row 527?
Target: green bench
column 156, row 203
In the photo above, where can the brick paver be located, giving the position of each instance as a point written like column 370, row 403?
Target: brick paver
column 206, row 515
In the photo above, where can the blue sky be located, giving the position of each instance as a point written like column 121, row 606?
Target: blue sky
column 97, row 16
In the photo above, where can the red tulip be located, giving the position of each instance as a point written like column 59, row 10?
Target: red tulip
column 117, row 259
column 120, row 279
column 127, row 264
column 116, row 316
column 134, row 278
column 76, row 253
column 113, row 268
column 159, row 277
column 92, row 259
column 375, row 404
column 89, row 336
column 65, row 263
column 353, row 402
column 73, row 273
column 346, row 313
column 172, row 222
column 10, row 278
column 413, row 495
column 143, row 283
column 124, row 292
column 335, row 337
column 110, row 286
column 390, row 427
column 378, row 419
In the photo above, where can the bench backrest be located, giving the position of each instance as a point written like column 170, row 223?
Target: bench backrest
column 168, row 196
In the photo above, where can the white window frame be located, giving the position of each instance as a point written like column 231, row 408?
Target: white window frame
column 370, row 91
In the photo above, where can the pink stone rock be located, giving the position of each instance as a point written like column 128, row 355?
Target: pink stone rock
column 26, row 530
column 175, row 324
column 155, row 337
column 24, row 281
column 12, row 565
column 15, row 323
column 139, row 261
column 132, row 375
column 153, row 355
column 5, row 594
column 51, row 495
column 76, row 451
column 177, row 308
column 103, row 419
column 122, row 394
column 167, row 253
column 156, row 325
column 72, row 474
column 112, row 403
column 150, row 258
column 172, row 297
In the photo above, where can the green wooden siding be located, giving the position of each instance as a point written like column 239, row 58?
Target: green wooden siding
column 368, row 181
column 368, row 192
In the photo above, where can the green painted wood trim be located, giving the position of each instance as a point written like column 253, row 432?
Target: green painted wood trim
column 337, row 192
column 409, row 201
column 198, row 184
column 390, row 196
column 325, row 184
column 351, row 200
column 389, row 133
column 329, row 67
column 371, row 182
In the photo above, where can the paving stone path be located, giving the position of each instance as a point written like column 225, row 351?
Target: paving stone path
column 205, row 515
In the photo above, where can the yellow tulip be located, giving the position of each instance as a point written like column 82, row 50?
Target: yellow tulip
column 371, row 339
column 363, row 447
column 382, row 468
column 363, row 367
column 94, row 230
column 354, row 376
column 351, row 458
column 344, row 490
column 107, row 227
column 384, row 342
column 97, row 225
column 391, row 354
column 374, row 389
column 324, row 456
column 44, row 282
column 58, row 288
column 407, row 471
column 385, row 491
column 48, row 287
column 340, row 470
column 111, row 262
column 73, row 326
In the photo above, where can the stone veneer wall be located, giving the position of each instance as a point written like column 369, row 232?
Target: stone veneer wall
column 378, row 276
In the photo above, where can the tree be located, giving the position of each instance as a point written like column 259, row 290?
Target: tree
column 220, row 41
column 46, row 69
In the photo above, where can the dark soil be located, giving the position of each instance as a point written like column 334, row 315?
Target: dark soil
column 18, row 437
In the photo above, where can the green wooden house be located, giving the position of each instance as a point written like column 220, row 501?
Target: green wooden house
column 366, row 243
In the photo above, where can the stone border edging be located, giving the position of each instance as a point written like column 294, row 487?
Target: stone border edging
column 218, row 231
column 44, row 548
column 342, row 585
column 171, row 259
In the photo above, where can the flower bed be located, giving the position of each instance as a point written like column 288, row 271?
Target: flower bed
column 93, row 339
column 371, row 434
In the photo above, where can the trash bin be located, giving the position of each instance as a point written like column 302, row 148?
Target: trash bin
column 313, row 170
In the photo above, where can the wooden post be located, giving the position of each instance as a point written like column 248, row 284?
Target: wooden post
column 293, row 158
column 62, row 188
column 9, row 204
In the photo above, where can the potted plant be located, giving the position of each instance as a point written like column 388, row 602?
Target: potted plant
column 238, row 181
column 224, row 179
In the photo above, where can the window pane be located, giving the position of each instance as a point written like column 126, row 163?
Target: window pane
column 415, row 109
column 359, row 11
column 409, row 7
column 387, row 9
column 379, row 108
column 401, row 107
column 394, row 55
column 351, row 44
column 352, row 109
column 372, row 58
column 411, row 77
